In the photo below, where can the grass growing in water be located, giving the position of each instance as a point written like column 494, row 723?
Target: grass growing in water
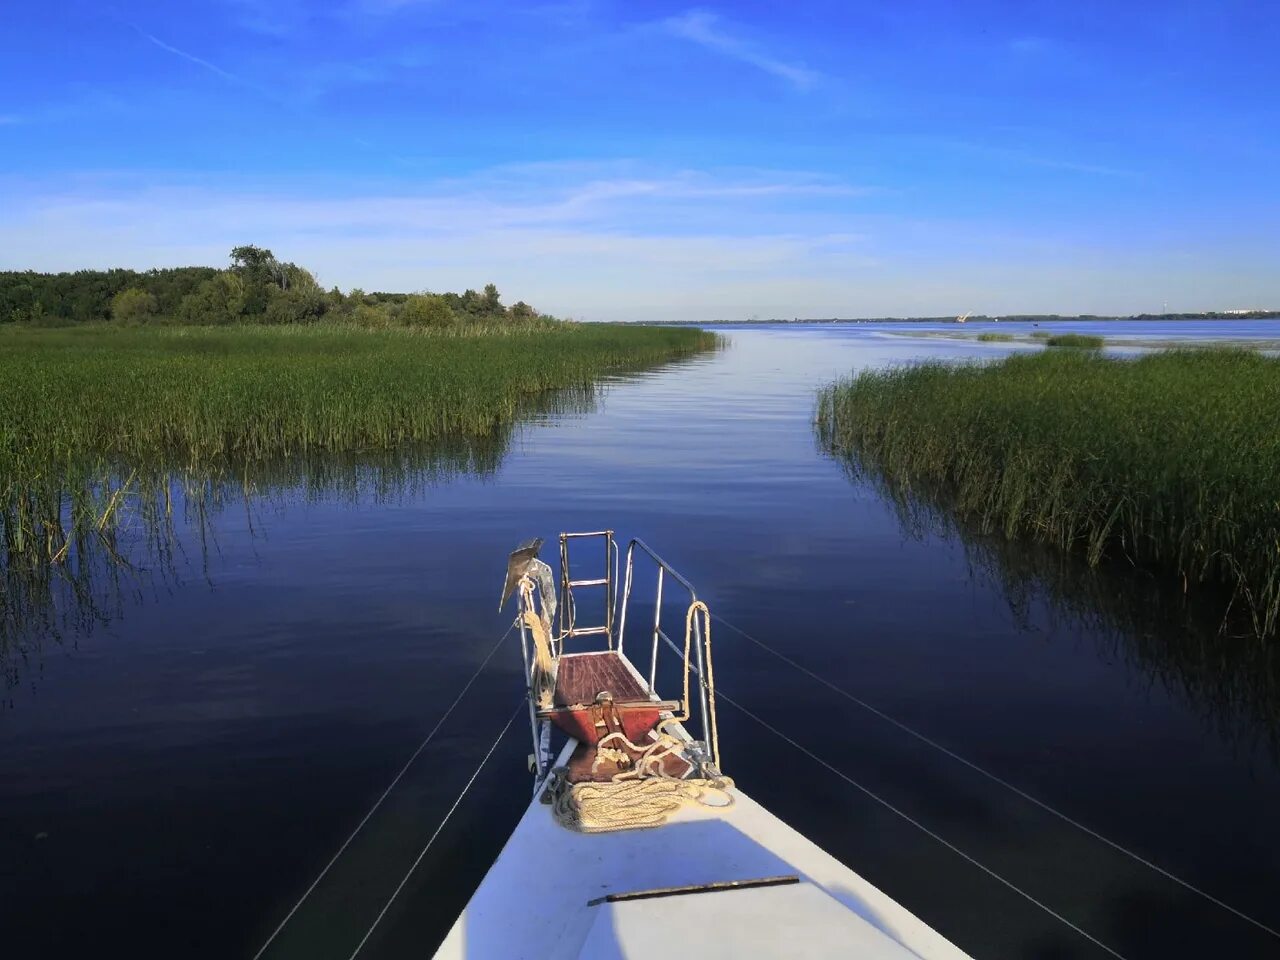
column 1168, row 461
column 86, row 412
column 1081, row 340
column 995, row 337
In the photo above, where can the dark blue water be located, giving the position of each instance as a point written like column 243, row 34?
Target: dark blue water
column 178, row 768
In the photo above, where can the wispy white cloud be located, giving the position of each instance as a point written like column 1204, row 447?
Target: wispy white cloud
column 1077, row 166
column 9, row 119
column 708, row 30
column 1036, row 159
column 513, row 195
column 199, row 61
column 582, row 238
column 585, row 190
column 584, row 245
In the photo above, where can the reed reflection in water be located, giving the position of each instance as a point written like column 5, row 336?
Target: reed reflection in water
column 74, row 548
column 1197, row 646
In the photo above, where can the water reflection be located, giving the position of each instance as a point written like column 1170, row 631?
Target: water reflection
column 75, row 549
column 224, row 739
column 1184, row 644
column 1199, row 647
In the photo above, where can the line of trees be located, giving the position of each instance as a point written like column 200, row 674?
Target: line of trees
column 256, row 288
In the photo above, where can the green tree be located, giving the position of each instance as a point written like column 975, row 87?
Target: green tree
column 295, row 305
column 41, row 318
column 426, row 310
column 256, row 264
column 17, row 301
column 216, row 301
column 133, row 305
column 337, row 303
column 523, row 312
column 491, row 302
column 290, row 276
column 259, row 271
column 368, row 315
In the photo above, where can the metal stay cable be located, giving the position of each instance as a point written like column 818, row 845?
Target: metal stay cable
column 414, row 866
column 1137, row 857
column 920, row 826
column 385, row 793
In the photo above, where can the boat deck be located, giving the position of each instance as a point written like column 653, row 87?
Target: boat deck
column 580, row 677
column 828, row 911
column 720, row 878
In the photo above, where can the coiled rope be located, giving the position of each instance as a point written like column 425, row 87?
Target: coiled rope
column 646, row 795
column 639, row 798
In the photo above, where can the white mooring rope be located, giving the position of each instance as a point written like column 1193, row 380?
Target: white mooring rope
column 414, row 866
column 635, row 799
column 994, row 778
column 383, row 796
column 916, row 823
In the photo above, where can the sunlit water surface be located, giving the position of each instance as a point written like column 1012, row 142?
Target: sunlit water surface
column 178, row 768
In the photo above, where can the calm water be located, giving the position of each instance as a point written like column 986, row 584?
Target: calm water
column 180, row 765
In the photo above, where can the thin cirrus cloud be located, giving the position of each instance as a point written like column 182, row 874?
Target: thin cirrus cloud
column 588, row 244
column 605, row 195
column 571, row 238
column 708, row 30
column 192, row 58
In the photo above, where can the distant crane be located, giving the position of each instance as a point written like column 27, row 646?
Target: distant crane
column 964, row 316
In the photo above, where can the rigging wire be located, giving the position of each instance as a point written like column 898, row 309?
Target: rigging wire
column 414, row 866
column 920, row 826
column 383, row 796
column 1001, row 781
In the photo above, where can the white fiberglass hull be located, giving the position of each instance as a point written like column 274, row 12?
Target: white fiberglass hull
column 542, row 896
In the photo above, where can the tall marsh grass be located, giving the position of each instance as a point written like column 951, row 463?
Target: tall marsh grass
column 87, row 413
column 1083, row 341
column 1168, row 462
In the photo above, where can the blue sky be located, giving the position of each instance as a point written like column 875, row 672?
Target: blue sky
column 629, row 160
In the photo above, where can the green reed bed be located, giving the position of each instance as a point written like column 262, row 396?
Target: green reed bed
column 995, row 337
column 1169, row 461
column 85, row 412
column 1079, row 340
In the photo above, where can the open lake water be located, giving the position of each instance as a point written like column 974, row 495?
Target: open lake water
column 180, row 762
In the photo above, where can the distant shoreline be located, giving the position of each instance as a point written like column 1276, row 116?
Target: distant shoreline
column 959, row 336
column 1003, row 318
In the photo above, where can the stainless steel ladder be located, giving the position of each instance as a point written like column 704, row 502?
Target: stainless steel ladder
column 568, row 609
